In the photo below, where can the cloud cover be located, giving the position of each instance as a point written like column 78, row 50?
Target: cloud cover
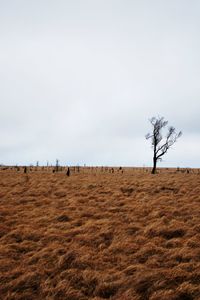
column 80, row 79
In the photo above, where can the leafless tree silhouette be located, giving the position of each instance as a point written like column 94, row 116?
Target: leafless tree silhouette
column 160, row 144
column 57, row 165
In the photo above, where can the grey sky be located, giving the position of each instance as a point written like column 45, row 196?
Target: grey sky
column 80, row 79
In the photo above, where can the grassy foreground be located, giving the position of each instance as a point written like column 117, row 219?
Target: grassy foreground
column 99, row 235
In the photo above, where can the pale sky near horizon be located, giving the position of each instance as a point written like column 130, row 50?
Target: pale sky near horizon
column 79, row 80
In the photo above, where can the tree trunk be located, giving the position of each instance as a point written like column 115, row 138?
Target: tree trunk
column 154, row 166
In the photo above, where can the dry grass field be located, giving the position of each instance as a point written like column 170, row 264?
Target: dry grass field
column 99, row 235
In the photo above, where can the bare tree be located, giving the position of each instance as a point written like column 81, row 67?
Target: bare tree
column 68, row 172
column 57, row 165
column 160, row 144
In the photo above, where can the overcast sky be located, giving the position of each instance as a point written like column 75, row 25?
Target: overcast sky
column 79, row 80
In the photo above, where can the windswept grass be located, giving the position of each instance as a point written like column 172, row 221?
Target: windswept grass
column 100, row 235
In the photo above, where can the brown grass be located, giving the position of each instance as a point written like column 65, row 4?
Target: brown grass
column 99, row 235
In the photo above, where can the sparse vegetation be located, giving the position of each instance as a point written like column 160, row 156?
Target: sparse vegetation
column 99, row 235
